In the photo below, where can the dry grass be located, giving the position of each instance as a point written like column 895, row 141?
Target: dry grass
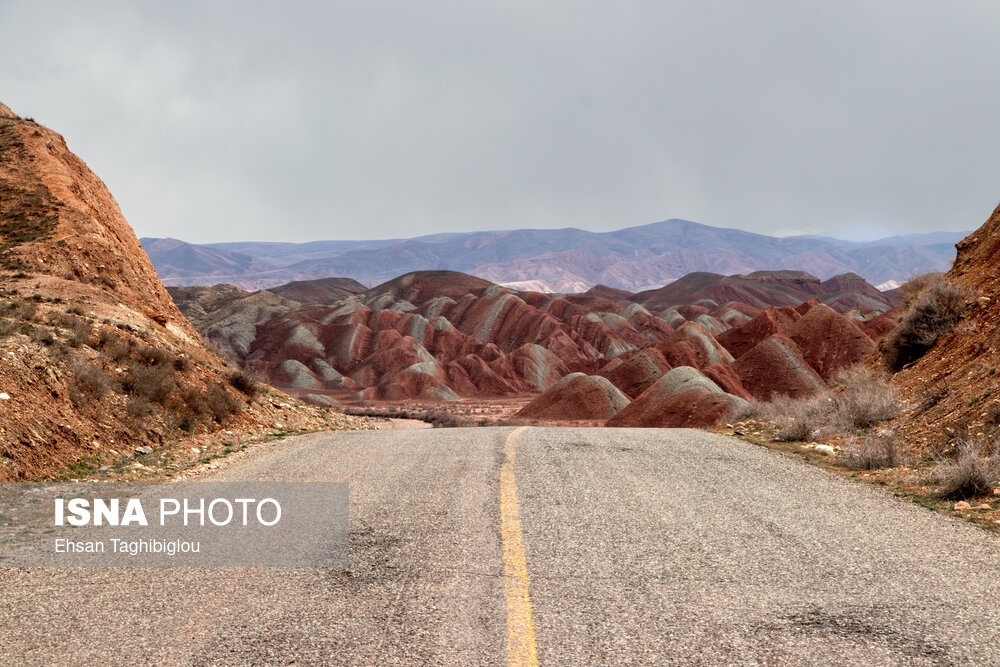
column 872, row 452
column 973, row 472
column 153, row 383
column 245, row 383
column 18, row 310
column 89, row 383
column 862, row 398
column 151, row 355
column 139, row 409
column 114, row 346
column 859, row 399
column 222, row 404
column 79, row 329
column 935, row 307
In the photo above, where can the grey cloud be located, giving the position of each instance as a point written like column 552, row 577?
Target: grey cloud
column 298, row 121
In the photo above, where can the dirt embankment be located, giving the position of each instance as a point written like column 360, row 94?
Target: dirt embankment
column 96, row 361
column 954, row 389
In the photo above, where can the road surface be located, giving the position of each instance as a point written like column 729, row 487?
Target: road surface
column 569, row 546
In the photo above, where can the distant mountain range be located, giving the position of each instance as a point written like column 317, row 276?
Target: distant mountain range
column 554, row 260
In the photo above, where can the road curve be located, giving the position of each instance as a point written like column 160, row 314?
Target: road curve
column 638, row 546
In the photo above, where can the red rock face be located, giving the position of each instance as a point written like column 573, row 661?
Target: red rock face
column 728, row 380
column 829, row 341
column 636, row 374
column 487, row 341
column 577, row 397
column 682, row 397
column 877, row 327
column 707, row 349
column 776, row 367
column 768, row 288
column 741, row 339
column 443, row 336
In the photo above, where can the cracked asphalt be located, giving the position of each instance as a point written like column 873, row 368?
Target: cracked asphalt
column 642, row 546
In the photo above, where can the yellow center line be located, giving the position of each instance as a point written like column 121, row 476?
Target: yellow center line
column 520, row 627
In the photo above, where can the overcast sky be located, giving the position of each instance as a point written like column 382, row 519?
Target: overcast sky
column 214, row 121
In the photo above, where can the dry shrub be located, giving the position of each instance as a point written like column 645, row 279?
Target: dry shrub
column 865, row 398
column 153, row 383
column 79, row 329
column 222, row 404
column 113, row 346
column 871, row 452
column 89, row 382
column 934, row 311
column 42, row 335
column 245, row 383
column 8, row 327
column 213, row 403
column 19, row 310
column 912, row 288
column 138, row 409
column 800, row 418
column 153, row 356
column 973, row 472
column 859, row 400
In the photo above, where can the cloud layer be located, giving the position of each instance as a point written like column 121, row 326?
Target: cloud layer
column 301, row 121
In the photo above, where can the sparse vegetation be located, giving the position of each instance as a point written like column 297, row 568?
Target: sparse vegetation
column 221, row 403
column 973, row 472
column 19, row 310
column 89, row 382
column 114, row 346
column 79, row 328
column 153, row 383
column 151, row 355
column 139, row 409
column 245, row 383
column 862, row 398
column 857, row 400
column 935, row 307
column 871, row 452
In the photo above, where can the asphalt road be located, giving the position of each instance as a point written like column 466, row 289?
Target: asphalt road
column 636, row 547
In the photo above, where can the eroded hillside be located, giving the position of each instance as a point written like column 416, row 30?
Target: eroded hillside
column 442, row 336
column 95, row 358
column 954, row 390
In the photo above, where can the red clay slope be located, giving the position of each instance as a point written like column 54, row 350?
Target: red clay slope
column 955, row 385
column 577, row 396
column 681, row 398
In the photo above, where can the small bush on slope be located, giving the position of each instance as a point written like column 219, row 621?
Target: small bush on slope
column 864, row 399
column 859, row 399
column 870, row 452
column 972, row 473
column 933, row 312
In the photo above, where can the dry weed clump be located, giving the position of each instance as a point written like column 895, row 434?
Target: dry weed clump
column 864, row 398
column 18, row 310
column 114, row 346
column 89, row 382
column 859, row 399
column 935, row 307
column 153, row 383
column 974, row 471
column 871, row 452
column 245, row 383
column 139, row 410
